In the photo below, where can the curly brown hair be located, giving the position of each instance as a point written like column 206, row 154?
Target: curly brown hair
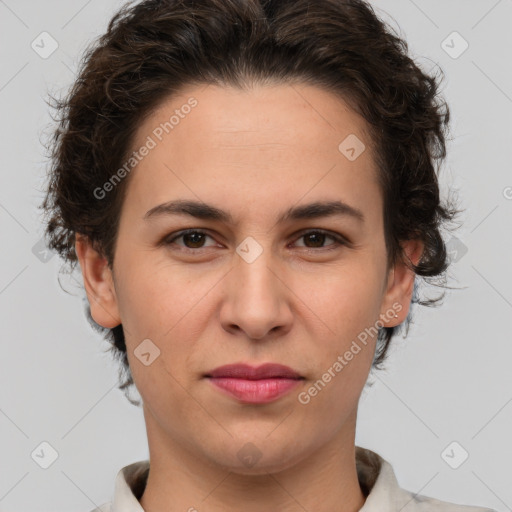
column 156, row 47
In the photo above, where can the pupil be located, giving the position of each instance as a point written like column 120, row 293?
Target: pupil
column 193, row 235
column 197, row 238
column 318, row 236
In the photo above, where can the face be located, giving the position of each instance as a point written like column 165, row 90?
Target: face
column 251, row 285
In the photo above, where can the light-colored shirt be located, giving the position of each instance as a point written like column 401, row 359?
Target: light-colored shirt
column 376, row 479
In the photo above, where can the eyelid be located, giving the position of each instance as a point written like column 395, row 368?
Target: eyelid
column 169, row 239
column 339, row 239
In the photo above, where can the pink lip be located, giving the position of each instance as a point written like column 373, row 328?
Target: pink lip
column 250, row 384
column 245, row 371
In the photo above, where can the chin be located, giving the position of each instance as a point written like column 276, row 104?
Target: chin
column 258, row 455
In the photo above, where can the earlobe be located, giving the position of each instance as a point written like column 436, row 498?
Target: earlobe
column 400, row 284
column 98, row 283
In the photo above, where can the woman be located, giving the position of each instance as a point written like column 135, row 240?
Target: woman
column 250, row 190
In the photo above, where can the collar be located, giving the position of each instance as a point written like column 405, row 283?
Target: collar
column 376, row 479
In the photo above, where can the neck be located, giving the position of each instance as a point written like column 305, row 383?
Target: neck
column 324, row 480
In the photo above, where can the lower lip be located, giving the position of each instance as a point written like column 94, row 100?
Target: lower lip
column 255, row 391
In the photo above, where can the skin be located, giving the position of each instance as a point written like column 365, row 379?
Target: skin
column 254, row 153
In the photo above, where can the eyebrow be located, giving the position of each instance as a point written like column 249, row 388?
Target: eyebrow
column 205, row 211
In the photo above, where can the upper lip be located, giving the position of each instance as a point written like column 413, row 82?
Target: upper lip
column 245, row 371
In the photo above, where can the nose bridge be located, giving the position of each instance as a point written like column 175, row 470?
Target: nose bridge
column 256, row 299
column 255, row 271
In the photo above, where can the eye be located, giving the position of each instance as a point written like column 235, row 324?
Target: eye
column 194, row 239
column 318, row 237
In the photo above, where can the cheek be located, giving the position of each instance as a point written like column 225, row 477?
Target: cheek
column 153, row 294
column 347, row 308
column 157, row 315
column 170, row 307
column 345, row 351
column 346, row 299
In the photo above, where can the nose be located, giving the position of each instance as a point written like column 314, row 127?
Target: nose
column 256, row 299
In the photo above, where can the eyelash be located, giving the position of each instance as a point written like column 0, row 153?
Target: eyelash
column 339, row 240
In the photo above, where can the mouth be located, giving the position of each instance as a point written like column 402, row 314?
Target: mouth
column 249, row 384
column 245, row 371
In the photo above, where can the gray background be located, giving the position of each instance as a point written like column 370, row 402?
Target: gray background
column 449, row 380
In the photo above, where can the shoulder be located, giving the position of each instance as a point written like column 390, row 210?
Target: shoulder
column 129, row 485
column 384, row 493
column 407, row 501
column 421, row 503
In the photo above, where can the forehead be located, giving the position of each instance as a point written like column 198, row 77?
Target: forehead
column 279, row 142
column 260, row 113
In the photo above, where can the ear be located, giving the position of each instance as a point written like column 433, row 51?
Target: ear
column 99, row 284
column 400, row 285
